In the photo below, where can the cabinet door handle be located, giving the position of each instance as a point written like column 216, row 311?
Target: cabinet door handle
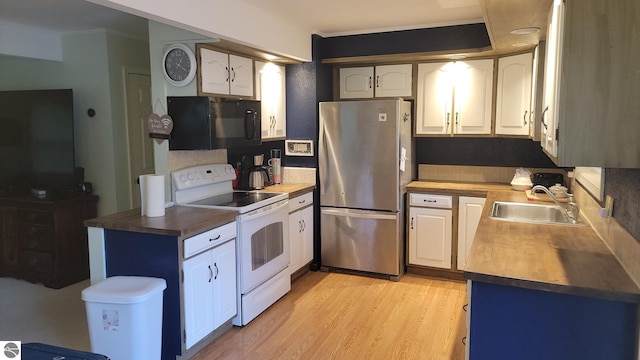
column 370, row 82
column 411, row 223
column 304, row 225
column 299, row 226
column 377, row 81
column 544, row 122
column 217, row 271
column 464, row 307
column 464, row 341
column 227, row 69
column 457, row 118
column 233, row 71
column 210, row 273
column 447, row 118
column 525, row 117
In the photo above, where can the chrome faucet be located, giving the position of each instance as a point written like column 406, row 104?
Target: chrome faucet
column 571, row 209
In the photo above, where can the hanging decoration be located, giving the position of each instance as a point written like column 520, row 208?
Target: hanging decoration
column 159, row 126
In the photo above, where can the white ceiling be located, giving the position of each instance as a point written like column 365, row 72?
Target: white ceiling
column 324, row 17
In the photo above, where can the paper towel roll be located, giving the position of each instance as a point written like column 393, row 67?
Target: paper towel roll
column 152, row 195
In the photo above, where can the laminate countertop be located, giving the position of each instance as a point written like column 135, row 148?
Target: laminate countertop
column 563, row 259
column 182, row 220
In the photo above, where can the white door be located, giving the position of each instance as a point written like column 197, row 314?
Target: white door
column 241, row 76
column 138, row 103
column 271, row 91
column 552, row 78
column 225, row 304
column 198, row 297
column 393, row 80
column 473, row 97
column 430, row 237
column 469, row 213
column 513, row 102
column 295, row 241
column 356, row 82
column 214, row 71
column 306, row 216
column 434, row 99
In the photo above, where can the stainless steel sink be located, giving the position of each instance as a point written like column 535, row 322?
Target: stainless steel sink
column 531, row 213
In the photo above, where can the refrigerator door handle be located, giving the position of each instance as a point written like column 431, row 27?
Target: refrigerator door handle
column 322, row 158
column 361, row 214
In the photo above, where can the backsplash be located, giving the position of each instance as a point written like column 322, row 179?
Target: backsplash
column 622, row 185
column 623, row 245
column 481, row 174
column 183, row 159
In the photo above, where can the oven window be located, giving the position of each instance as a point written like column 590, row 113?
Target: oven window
column 266, row 244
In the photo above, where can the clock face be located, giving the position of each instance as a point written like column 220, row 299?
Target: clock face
column 179, row 65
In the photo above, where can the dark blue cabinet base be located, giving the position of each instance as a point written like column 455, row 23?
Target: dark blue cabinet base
column 516, row 323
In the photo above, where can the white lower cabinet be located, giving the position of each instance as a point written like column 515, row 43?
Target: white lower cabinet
column 209, row 289
column 430, row 232
column 301, row 231
column 469, row 213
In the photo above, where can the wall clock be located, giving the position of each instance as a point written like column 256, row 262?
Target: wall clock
column 179, row 65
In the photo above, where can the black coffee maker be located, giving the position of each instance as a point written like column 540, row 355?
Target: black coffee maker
column 253, row 175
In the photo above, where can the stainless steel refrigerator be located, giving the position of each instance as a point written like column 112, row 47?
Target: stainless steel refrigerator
column 365, row 163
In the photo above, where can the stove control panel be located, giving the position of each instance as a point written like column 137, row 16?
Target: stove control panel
column 202, row 175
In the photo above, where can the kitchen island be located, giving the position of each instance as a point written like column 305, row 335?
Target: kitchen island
column 547, row 292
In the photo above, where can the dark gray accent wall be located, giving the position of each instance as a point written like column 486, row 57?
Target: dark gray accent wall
column 623, row 185
column 452, row 38
column 481, row 152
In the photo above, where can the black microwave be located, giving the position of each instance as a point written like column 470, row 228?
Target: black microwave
column 203, row 123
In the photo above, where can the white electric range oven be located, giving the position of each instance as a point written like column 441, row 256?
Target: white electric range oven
column 262, row 240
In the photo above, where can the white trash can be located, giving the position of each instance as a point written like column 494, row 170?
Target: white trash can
column 124, row 314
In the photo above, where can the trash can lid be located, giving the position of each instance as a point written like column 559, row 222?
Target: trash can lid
column 124, row 289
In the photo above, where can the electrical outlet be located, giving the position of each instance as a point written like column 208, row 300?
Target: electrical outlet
column 607, row 210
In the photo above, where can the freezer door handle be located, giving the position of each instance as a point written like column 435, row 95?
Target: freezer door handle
column 361, row 214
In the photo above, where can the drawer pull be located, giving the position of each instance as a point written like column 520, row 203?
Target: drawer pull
column 33, row 261
column 215, row 238
column 32, row 230
column 32, row 244
column 430, row 201
column 302, row 201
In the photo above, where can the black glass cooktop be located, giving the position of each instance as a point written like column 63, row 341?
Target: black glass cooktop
column 235, row 199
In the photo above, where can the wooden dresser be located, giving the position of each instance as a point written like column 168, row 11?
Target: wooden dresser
column 44, row 240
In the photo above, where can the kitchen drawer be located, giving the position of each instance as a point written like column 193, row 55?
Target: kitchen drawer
column 36, row 261
column 300, row 201
column 34, row 231
column 34, row 216
column 429, row 200
column 38, row 244
column 209, row 239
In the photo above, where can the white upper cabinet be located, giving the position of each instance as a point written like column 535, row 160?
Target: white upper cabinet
column 513, row 101
column 271, row 91
column 454, row 97
column 224, row 74
column 555, row 28
column 380, row 81
column 592, row 84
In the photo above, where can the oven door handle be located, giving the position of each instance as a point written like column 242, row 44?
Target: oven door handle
column 266, row 211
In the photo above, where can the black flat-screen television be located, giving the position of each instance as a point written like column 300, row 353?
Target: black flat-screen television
column 37, row 139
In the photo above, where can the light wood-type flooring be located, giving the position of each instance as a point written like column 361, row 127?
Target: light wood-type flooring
column 341, row 316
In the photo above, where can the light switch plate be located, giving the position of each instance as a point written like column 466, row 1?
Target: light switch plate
column 298, row 147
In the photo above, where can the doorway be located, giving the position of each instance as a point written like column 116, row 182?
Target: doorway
column 138, row 104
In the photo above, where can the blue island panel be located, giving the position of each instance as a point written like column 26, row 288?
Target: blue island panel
column 139, row 254
column 516, row 323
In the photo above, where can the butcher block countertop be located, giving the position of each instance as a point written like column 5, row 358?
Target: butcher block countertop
column 294, row 189
column 182, row 220
column 177, row 221
column 563, row 259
